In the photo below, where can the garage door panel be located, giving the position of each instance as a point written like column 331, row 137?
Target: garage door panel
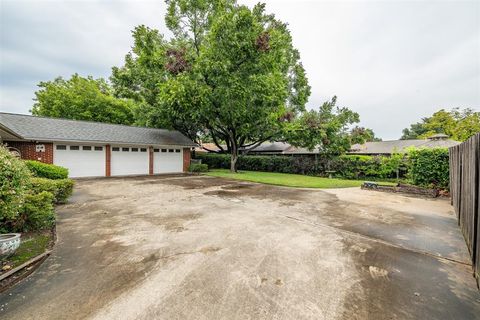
column 80, row 160
column 129, row 160
column 167, row 160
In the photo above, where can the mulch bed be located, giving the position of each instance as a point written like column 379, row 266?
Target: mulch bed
column 406, row 189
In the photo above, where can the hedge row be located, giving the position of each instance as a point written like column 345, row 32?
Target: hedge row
column 347, row 166
column 429, row 168
column 423, row 167
column 44, row 170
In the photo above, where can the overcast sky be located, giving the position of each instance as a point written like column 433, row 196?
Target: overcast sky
column 393, row 62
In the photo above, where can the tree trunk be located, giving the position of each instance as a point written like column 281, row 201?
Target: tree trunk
column 234, row 158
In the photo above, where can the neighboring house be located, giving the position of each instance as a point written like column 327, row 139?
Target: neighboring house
column 93, row 149
column 399, row 146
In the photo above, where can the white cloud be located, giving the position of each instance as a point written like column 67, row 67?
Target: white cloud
column 393, row 62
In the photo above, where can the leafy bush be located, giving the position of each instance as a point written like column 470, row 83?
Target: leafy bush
column 359, row 166
column 198, row 167
column 429, row 167
column 64, row 189
column 45, row 170
column 38, row 213
column 14, row 184
column 61, row 188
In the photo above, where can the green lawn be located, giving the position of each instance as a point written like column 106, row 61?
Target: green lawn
column 285, row 179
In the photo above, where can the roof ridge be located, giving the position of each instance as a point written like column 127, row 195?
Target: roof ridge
column 85, row 121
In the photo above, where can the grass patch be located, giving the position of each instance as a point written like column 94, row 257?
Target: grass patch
column 30, row 247
column 287, row 179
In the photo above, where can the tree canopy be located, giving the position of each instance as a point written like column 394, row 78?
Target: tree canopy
column 230, row 73
column 361, row 135
column 81, row 98
column 457, row 124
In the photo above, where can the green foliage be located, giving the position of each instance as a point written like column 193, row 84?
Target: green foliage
column 359, row 167
column 346, row 166
column 61, row 188
column 81, row 98
column 198, row 167
column 457, row 124
column 14, row 184
column 45, row 170
column 230, row 72
column 325, row 129
column 38, row 213
column 429, row 167
column 361, row 135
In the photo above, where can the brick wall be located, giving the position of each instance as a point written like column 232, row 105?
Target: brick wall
column 186, row 159
column 28, row 151
column 108, row 157
column 150, row 160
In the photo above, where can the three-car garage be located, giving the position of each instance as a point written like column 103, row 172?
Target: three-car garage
column 93, row 149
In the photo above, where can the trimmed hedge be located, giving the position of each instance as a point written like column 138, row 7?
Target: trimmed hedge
column 198, row 167
column 45, row 170
column 61, row 189
column 429, row 168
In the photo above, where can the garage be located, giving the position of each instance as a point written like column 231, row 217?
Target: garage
column 80, row 160
column 126, row 160
column 93, row 149
column 167, row 160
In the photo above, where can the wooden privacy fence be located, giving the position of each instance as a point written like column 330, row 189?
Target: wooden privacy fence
column 465, row 192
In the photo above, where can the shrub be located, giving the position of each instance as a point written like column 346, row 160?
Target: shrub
column 38, row 213
column 14, row 183
column 429, row 167
column 198, row 167
column 61, row 188
column 45, row 170
column 64, row 189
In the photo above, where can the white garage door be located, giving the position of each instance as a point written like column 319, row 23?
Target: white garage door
column 129, row 160
column 81, row 160
column 167, row 160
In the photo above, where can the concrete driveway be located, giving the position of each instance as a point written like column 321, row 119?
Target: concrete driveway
column 208, row 248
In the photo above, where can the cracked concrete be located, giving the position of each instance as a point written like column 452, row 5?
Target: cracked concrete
column 208, row 248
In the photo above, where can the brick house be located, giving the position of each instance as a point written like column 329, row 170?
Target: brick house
column 93, row 149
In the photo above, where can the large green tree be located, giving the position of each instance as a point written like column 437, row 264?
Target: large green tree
column 81, row 98
column 457, row 124
column 229, row 73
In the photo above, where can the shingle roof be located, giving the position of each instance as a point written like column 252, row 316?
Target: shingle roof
column 389, row 147
column 52, row 129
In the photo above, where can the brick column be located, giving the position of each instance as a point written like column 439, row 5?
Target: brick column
column 108, row 156
column 150, row 161
column 186, row 159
